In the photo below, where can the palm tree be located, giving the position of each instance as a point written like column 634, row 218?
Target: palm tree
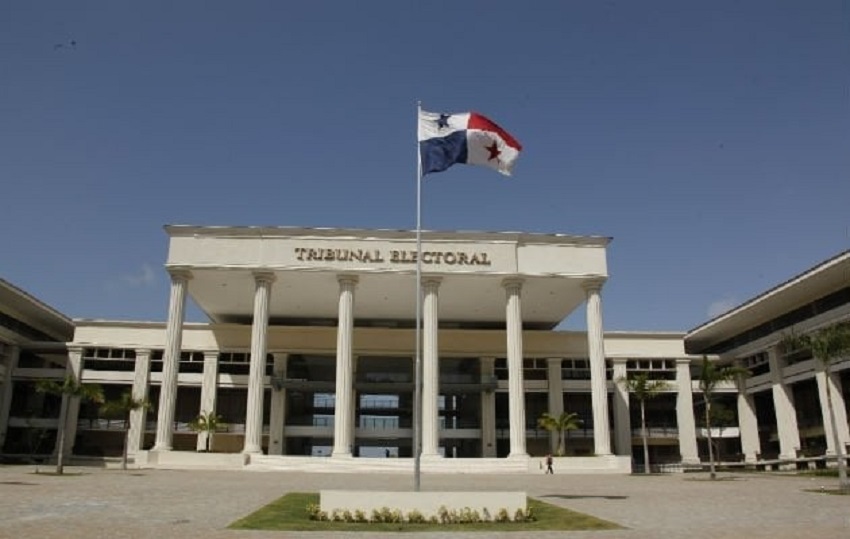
column 559, row 424
column 721, row 418
column 826, row 345
column 122, row 407
column 207, row 423
column 711, row 375
column 644, row 388
column 68, row 389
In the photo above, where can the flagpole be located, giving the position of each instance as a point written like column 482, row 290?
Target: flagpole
column 417, row 393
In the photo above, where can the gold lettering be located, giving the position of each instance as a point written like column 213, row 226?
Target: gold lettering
column 395, row 256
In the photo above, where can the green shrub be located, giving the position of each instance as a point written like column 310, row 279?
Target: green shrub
column 415, row 517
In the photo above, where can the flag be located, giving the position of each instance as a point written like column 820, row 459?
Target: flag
column 470, row 138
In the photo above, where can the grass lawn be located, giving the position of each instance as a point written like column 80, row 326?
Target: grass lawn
column 289, row 513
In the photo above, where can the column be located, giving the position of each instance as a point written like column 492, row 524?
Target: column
column 257, row 372
column 747, row 421
column 516, row 384
column 139, row 392
column 556, row 397
column 622, row 417
column 685, row 413
column 598, row 383
column 209, row 388
column 783, row 402
column 430, row 368
column 488, row 409
column 343, row 402
column 11, row 363
column 171, row 359
column 71, row 405
column 837, row 408
column 277, row 440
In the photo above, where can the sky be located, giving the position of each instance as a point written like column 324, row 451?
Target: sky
column 710, row 140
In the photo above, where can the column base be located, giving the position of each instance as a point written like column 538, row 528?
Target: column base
column 339, row 455
column 252, row 450
column 162, row 447
column 431, row 456
column 691, row 461
column 517, row 456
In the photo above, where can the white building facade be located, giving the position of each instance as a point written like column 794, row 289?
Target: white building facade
column 311, row 352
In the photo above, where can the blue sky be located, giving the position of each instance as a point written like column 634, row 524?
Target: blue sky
column 711, row 140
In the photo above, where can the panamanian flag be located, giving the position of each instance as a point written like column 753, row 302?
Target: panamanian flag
column 470, row 138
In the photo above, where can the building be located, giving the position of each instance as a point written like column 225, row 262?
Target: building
column 311, row 351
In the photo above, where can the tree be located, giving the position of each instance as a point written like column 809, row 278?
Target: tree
column 207, row 423
column 826, row 345
column 122, row 407
column 712, row 375
column 559, row 424
column 644, row 388
column 68, row 390
column 721, row 418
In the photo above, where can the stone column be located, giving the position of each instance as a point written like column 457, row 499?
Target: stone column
column 171, row 359
column 72, row 404
column 11, row 363
column 837, row 408
column 139, row 416
column 257, row 373
column 430, row 368
column 685, row 413
column 343, row 402
column 516, row 384
column 783, row 402
column 209, row 389
column 622, row 418
column 556, row 397
column 488, row 409
column 747, row 421
column 277, row 440
column 598, row 382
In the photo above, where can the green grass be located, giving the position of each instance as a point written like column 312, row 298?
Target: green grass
column 289, row 513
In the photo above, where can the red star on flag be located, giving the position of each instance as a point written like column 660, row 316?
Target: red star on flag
column 494, row 151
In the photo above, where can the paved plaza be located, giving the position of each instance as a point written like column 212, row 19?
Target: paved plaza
column 94, row 502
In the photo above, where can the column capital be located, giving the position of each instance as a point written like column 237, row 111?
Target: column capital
column 179, row 273
column 75, row 349
column 345, row 278
column 143, row 352
column 431, row 282
column 619, row 360
column 593, row 284
column 683, row 361
column 512, row 284
column 264, row 277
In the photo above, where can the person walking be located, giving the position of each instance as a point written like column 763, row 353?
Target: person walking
column 549, row 460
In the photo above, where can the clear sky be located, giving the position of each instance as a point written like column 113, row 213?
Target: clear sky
column 711, row 140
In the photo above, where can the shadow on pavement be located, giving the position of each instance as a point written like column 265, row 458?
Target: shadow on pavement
column 583, row 496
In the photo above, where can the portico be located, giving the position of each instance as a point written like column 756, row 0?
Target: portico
column 363, row 282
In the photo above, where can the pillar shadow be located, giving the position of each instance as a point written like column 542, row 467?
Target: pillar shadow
column 584, row 496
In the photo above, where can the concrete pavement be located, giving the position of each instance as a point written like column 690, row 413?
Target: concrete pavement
column 96, row 502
